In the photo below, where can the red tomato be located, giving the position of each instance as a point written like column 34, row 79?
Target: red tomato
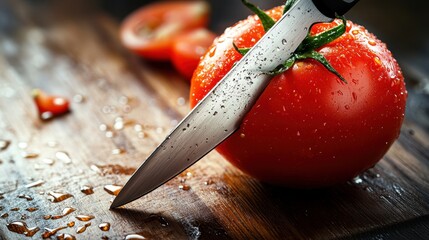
column 150, row 30
column 50, row 106
column 309, row 129
column 188, row 49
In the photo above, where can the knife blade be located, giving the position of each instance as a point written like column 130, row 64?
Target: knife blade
column 220, row 113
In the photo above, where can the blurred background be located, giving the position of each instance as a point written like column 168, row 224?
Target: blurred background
column 402, row 25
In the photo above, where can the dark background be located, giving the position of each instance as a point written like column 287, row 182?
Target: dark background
column 402, row 25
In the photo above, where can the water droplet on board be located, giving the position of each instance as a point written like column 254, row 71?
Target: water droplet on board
column 103, row 127
column 51, row 231
column 113, row 189
column 35, row 184
column 29, row 154
column 88, row 190
column 52, row 144
column 63, row 156
column 48, row 161
column 104, row 226
column 22, row 228
column 134, row 236
column 78, row 98
column 112, row 169
column 83, row 228
column 284, row 41
column 58, row 196
column 66, row 236
column 4, row 144
column 208, row 182
column 26, row 197
column 118, row 151
column 22, row 145
column 66, row 211
column 84, row 218
column 31, row 209
column 184, row 187
column 160, row 219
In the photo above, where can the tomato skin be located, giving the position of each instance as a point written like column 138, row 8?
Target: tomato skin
column 150, row 30
column 309, row 129
column 188, row 49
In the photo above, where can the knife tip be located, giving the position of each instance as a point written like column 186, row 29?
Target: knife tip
column 115, row 204
column 119, row 201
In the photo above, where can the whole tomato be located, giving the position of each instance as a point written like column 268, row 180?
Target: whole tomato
column 308, row 128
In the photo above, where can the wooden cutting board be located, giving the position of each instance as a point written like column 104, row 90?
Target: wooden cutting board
column 122, row 107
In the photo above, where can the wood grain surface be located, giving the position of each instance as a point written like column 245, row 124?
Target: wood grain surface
column 122, row 107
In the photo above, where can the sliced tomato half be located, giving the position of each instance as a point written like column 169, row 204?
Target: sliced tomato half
column 188, row 49
column 150, row 31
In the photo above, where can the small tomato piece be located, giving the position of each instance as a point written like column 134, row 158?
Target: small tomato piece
column 49, row 106
column 188, row 49
column 150, row 31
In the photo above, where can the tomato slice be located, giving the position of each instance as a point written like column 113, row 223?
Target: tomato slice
column 150, row 30
column 188, row 49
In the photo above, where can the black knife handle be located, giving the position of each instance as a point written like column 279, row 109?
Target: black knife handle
column 330, row 8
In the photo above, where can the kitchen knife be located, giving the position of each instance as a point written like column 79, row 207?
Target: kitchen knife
column 220, row 113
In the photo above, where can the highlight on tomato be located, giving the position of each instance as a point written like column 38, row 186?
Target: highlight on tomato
column 331, row 112
column 150, row 31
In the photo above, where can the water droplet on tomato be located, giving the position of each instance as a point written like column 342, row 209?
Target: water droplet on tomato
column 354, row 95
column 377, row 61
column 212, row 51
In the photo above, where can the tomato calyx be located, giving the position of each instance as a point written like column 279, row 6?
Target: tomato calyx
column 307, row 48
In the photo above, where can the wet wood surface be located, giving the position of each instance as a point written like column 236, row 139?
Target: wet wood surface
column 122, row 107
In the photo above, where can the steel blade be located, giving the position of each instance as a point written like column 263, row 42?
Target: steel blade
column 220, row 113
